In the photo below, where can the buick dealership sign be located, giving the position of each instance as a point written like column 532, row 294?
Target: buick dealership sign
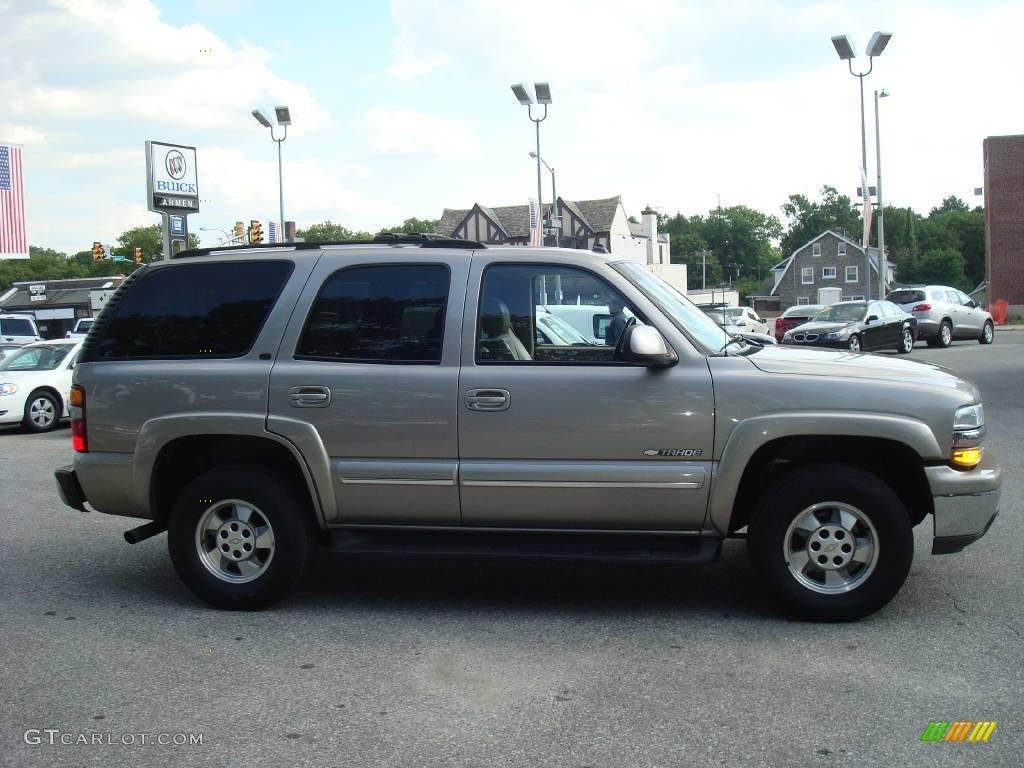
column 172, row 181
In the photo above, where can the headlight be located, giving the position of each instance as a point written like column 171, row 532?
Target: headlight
column 969, row 417
column 8, row 389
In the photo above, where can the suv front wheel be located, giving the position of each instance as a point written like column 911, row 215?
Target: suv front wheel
column 833, row 540
column 239, row 538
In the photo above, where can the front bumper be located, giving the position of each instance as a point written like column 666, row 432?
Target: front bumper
column 819, row 342
column 966, row 503
column 70, row 489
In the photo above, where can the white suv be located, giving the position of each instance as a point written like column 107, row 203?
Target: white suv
column 944, row 314
column 18, row 329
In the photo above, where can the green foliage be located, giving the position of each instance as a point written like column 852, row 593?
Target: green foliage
column 414, row 225
column 147, row 238
column 944, row 266
column 807, row 219
column 329, row 231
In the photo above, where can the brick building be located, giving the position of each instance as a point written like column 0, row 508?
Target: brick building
column 1004, row 220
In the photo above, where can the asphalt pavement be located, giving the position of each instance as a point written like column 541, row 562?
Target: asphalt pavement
column 390, row 663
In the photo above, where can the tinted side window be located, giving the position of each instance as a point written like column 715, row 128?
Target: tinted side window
column 194, row 310
column 389, row 314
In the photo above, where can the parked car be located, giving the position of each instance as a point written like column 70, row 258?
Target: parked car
column 588, row 319
column 81, row 328
column 944, row 314
column 726, row 322
column 356, row 394
column 18, row 329
column 553, row 330
column 35, row 384
column 747, row 319
column 859, row 326
column 793, row 317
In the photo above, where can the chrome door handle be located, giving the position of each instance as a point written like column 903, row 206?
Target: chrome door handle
column 488, row 399
column 310, row 396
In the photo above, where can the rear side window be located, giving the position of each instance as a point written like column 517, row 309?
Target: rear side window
column 379, row 314
column 16, row 326
column 195, row 310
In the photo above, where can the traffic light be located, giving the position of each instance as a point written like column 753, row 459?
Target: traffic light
column 255, row 231
column 98, row 253
column 138, row 255
column 239, row 230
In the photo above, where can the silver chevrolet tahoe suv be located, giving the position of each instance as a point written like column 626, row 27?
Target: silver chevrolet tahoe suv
column 393, row 397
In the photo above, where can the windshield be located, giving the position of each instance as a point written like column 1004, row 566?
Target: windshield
column 83, row 326
column 43, row 358
column 842, row 313
column 734, row 312
column 720, row 318
column 683, row 313
column 560, row 332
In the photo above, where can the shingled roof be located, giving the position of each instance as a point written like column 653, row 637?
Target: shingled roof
column 515, row 219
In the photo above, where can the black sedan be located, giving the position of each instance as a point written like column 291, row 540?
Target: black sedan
column 859, row 326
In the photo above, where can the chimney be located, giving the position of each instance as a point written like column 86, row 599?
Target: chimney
column 649, row 220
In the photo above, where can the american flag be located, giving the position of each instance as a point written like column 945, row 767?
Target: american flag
column 13, row 239
column 271, row 231
column 536, row 236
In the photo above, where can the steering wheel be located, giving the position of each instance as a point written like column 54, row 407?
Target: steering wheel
column 620, row 345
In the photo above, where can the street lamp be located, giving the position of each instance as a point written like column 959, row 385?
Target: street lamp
column 846, row 52
column 556, row 220
column 543, row 91
column 882, row 265
column 217, row 229
column 284, row 119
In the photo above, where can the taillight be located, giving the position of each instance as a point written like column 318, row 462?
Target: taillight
column 921, row 308
column 79, row 441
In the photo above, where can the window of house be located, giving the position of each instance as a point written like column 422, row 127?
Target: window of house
column 807, row 275
column 852, row 274
column 816, row 249
column 803, row 300
column 842, row 249
column 828, row 273
column 378, row 314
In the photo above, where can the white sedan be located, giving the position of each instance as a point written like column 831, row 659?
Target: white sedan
column 35, row 384
column 747, row 319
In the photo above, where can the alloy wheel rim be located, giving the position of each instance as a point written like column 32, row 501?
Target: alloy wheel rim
column 41, row 412
column 947, row 334
column 908, row 340
column 235, row 541
column 988, row 332
column 831, row 548
column 855, row 344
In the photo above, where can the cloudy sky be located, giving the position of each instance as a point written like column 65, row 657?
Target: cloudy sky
column 403, row 108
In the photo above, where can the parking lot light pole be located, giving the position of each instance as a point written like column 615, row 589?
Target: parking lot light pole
column 845, row 50
column 556, row 220
column 543, row 91
column 882, row 264
column 284, row 119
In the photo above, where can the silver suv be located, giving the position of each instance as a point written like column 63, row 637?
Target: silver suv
column 394, row 397
column 944, row 314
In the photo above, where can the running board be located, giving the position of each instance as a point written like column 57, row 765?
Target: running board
column 476, row 545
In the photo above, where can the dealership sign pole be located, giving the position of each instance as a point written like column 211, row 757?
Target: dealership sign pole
column 172, row 190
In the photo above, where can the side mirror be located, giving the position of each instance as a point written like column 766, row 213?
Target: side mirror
column 972, row 304
column 871, row 319
column 646, row 346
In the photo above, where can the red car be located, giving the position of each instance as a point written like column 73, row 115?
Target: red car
column 794, row 316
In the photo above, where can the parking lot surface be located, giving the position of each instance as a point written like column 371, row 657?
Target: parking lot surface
column 476, row 664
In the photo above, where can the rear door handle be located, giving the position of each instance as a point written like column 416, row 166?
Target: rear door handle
column 310, row 396
column 488, row 399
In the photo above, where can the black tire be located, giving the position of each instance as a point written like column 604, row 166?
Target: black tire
column 289, row 518
column 788, row 500
column 854, row 344
column 945, row 337
column 42, row 412
column 988, row 333
column 906, row 343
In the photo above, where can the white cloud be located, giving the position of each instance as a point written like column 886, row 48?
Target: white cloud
column 393, row 130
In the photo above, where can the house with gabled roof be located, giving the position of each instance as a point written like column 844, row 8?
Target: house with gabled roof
column 580, row 224
column 832, row 260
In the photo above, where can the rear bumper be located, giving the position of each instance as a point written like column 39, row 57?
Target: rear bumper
column 966, row 504
column 70, row 489
column 927, row 328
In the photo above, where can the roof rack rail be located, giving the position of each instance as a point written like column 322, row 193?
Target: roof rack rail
column 422, row 239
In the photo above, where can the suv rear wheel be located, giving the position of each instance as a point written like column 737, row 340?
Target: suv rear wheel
column 834, row 541
column 239, row 539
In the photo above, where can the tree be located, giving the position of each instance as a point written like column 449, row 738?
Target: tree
column 414, row 225
column 150, row 239
column 949, row 205
column 328, row 231
column 944, row 266
column 807, row 219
